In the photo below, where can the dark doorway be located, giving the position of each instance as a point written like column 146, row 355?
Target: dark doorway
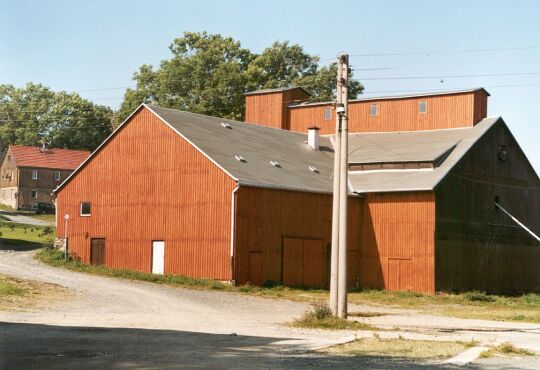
column 97, row 251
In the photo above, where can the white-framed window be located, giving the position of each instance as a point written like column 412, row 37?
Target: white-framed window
column 34, row 174
column 422, row 106
column 57, row 175
column 34, row 194
column 327, row 114
column 374, row 110
column 86, row 209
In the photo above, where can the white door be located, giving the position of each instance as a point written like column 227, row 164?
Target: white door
column 158, row 257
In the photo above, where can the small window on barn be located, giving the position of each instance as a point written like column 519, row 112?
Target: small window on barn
column 57, row 175
column 374, row 110
column 34, row 194
column 86, row 208
column 327, row 114
column 501, row 152
column 422, row 107
column 34, row 174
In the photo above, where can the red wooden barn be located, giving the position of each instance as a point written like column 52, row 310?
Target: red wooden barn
column 181, row 193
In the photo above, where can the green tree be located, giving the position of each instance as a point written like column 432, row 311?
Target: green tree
column 34, row 113
column 206, row 74
column 209, row 74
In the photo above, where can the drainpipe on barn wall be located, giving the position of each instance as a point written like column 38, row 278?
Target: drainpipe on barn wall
column 233, row 214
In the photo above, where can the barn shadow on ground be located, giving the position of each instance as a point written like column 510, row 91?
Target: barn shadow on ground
column 18, row 245
column 32, row 346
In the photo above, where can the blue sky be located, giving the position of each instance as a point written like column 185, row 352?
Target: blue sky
column 83, row 45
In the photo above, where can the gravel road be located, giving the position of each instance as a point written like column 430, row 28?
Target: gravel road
column 114, row 323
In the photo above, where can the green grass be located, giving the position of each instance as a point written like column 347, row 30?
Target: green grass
column 55, row 257
column 23, row 235
column 398, row 347
column 507, row 349
column 320, row 317
column 7, row 289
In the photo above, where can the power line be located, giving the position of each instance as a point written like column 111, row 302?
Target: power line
column 447, row 76
column 456, row 51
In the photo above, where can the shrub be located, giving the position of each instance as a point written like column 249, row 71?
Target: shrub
column 476, row 296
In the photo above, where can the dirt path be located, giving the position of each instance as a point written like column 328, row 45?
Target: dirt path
column 121, row 323
column 21, row 218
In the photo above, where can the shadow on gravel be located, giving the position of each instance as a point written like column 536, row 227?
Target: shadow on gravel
column 18, row 245
column 32, row 346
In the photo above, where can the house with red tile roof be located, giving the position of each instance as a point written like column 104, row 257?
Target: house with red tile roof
column 29, row 174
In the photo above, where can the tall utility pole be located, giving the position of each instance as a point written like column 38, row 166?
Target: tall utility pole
column 338, row 267
column 343, row 191
column 334, row 262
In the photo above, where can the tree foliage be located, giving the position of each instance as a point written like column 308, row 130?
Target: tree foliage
column 209, row 73
column 35, row 113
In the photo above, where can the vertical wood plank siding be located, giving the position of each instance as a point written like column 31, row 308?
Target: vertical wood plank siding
column 381, row 226
column 478, row 247
column 271, row 109
column 265, row 109
column 443, row 111
column 147, row 184
column 265, row 217
column 398, row 226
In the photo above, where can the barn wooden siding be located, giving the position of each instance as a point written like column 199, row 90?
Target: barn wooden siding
column 443, row 111
column 270, row 109
column 147, row 184
column 397, row 242
column 478, row 247
column 266, row 218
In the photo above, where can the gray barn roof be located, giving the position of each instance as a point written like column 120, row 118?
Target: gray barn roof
column 258, row 145
column 394, row 147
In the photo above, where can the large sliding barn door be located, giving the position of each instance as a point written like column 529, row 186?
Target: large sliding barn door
column 303, row 262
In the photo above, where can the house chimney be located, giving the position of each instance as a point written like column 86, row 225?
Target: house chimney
column 43, row 148
column 313, row 137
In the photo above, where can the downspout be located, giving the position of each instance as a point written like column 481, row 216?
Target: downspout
column 233, row 215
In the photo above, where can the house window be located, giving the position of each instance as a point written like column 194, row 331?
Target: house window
column 85, row 208
column 34, row 174
column 422, row 107
column 57, row 175
column 327, row 114
column 373, row 110
column 34, row 194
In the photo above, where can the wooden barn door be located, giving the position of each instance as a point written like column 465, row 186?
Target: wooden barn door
column 303, row 262
column 97, row 251
column 400, row 274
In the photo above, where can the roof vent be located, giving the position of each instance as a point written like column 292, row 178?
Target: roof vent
column 313, row 169
column 226, row 125
column 275, row 163
column 313, row 137
column 239, row 158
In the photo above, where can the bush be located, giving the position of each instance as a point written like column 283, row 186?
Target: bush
column 320, row 317
column 47, row 230
column 476, row 296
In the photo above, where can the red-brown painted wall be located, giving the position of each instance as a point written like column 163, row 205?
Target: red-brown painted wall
column 453, row 110
column 382, row 228
column 147, row 184
column 398, row 235
column 271, row 109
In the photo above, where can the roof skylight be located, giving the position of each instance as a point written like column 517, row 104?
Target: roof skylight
column 239, row 158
